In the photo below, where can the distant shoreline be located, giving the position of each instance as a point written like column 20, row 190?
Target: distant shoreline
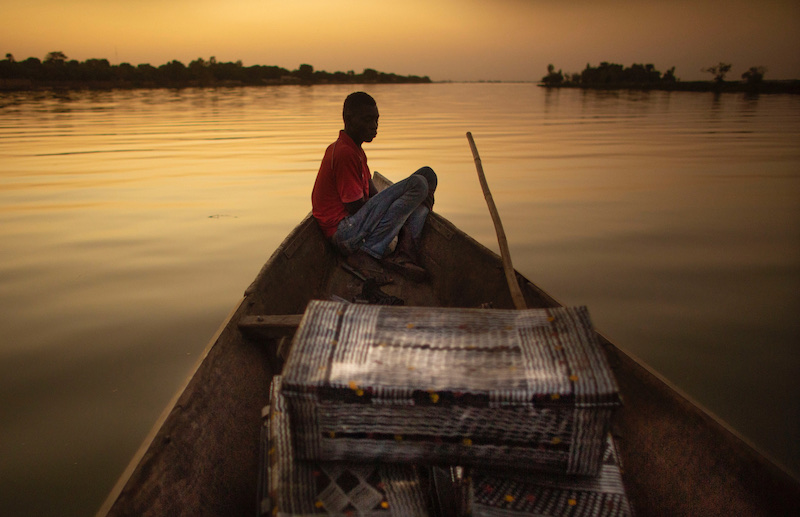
column 643, row 77
column 58, row 73
column 791, row 86
column 38, row 85
column 28, row 85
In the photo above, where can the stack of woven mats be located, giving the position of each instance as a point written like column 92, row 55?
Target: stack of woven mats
column 372, row 396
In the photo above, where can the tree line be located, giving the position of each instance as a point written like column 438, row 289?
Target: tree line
column 609, row 73
column 612, row 75
column 56, row 70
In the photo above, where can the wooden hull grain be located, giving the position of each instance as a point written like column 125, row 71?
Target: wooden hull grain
column 201, row 457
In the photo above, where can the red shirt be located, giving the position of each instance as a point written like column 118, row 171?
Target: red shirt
column 343, row 177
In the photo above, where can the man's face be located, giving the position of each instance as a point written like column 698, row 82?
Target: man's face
column 362, row 124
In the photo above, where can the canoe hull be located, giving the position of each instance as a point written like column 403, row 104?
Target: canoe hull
column 201, row 457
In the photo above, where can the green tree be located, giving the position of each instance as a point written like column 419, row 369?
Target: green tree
column 125, row 72
column 755, row 75
column 173, row 72
column 200, row 71
column 53, row 68
column 146, row 73
column 719, row 71
column 553, row 78
column 56, row 57
column 305, row 72
column 97, row 70
column 370, row 75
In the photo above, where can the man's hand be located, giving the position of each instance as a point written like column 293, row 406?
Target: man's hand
column 355, row 206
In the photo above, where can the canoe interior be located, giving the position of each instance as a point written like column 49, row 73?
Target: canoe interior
column 202, row 456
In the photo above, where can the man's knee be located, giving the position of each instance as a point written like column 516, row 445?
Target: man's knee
column 430, row 177
column 418, row 184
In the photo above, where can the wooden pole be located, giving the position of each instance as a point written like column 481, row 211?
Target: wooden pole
column 511, row 276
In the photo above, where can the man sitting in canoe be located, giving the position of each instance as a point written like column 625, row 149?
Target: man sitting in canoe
column 360, row 221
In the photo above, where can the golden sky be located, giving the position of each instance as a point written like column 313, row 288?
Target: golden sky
column 443, row 39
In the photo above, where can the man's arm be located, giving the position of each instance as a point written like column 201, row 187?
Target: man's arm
column 355, row 206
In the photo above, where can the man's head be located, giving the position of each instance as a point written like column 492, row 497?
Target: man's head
column 360, row 113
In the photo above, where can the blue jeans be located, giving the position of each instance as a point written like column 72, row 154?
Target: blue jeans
column 378, row 222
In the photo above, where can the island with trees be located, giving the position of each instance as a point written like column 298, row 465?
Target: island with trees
column 612, row 76
column 56, row 71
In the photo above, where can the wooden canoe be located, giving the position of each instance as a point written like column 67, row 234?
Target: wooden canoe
column 201, row 458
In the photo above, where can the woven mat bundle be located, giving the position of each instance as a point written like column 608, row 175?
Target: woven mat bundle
column 303, row 488
column 524, row 389
column 504, row 494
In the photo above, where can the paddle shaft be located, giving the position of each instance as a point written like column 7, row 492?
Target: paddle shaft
column 505, row 254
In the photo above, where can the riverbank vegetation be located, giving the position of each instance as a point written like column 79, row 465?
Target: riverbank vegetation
column 57, row 71
column 612, row 76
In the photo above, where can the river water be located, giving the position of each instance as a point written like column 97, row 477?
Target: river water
column 132, row 222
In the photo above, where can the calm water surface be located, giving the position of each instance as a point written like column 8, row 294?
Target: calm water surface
column 132, row 221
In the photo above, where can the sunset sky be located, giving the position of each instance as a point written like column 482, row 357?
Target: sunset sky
column 443, row 39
